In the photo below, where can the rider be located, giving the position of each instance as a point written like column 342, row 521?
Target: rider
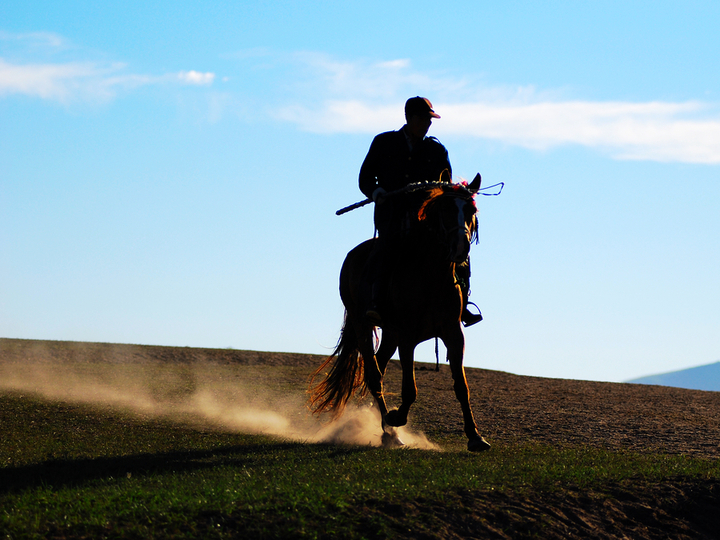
column 396, row 159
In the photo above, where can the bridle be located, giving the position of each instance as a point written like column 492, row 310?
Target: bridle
column 448, row 235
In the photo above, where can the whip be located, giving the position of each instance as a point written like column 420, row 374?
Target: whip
column 472, row 187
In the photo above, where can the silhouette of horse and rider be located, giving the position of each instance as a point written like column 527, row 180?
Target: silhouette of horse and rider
column 412, row 279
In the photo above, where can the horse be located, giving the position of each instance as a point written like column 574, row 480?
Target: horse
column 423, row 301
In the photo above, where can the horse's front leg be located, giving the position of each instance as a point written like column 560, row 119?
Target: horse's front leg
column 399, row 416
column 456, row 349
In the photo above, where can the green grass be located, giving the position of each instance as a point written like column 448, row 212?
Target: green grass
column 73, row 472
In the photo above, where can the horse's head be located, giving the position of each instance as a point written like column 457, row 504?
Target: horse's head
column 450, row 212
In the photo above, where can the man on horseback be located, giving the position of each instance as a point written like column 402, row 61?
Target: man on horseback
column 395, row 160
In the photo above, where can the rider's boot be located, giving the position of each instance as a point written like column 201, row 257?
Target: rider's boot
column 462, row 274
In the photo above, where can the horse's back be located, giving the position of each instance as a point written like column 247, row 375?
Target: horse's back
column 361, row 250
column 352, row 272
column 357, row 257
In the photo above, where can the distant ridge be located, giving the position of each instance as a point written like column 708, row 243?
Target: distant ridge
column 697, row 378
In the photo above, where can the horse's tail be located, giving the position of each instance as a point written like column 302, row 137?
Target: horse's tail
column 344, row 378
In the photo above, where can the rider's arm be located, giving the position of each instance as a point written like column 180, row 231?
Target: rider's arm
column 367, row 181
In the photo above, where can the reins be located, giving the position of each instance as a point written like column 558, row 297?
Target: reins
column 424, row 185
column 501, row 184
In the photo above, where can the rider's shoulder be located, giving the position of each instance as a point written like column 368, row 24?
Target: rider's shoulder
column 388, row 139
column 434, row 144
column 434, row 140
column 390, row 134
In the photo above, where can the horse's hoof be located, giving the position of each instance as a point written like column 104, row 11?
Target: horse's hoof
column 395, row 419
column 478, row 444
column 391, row 440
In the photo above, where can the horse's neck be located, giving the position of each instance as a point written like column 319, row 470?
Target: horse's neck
column 424, row 255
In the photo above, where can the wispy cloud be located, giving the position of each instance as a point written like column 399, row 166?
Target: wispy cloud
column 35, row 39
column 655, row 131
column 356, row 79
column 56, row 82
column 364, row 97
column 31, row 66
column 195, row 77
column 83, row 81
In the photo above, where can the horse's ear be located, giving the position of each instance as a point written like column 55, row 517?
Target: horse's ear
column 475, row 184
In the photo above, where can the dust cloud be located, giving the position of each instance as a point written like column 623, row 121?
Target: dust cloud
column 232, row 398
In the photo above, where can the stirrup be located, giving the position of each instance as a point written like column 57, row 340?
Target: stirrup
column 469, row 318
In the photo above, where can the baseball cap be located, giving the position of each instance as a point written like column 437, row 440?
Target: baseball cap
column 419, row 105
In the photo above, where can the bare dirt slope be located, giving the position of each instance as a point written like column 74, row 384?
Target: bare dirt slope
column 508, row 408
column 611, row 415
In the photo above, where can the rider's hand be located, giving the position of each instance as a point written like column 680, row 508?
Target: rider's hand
column 378, row 196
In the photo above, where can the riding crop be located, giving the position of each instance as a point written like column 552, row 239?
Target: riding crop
column 473, row 187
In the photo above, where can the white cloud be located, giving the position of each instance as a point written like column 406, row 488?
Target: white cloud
column 363, row 97
column 83, row 81
column 57, row 82
column 654, row 131
column 195, row 77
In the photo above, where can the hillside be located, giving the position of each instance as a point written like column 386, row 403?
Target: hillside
column 511, row 412
column 507, row 407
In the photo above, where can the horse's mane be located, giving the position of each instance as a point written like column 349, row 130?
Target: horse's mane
column 432, row 196
column 437, row 190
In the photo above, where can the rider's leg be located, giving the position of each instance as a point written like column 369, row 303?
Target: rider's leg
column 381, row 263
column 377, row 269
column 462, row 274
column 374, row 282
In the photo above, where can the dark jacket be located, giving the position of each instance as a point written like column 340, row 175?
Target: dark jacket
column 391, row 165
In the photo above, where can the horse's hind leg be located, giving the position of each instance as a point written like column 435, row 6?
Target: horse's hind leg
column 388, row 346
column 455, row 348
column 373, row 374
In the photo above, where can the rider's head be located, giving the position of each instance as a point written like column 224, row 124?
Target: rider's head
column 418, row 115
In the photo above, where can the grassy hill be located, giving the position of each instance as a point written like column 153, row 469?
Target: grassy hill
column 124, row 441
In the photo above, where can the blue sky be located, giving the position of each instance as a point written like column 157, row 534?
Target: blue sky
column 170, row 171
